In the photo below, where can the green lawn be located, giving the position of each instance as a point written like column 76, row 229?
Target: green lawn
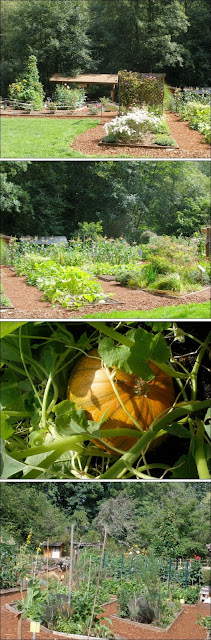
column 42, row 137
column 189, row 311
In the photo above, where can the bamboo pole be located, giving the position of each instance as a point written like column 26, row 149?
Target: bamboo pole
column 89, row 574
column 98, row 582
column 47, row 563
column 71, row 565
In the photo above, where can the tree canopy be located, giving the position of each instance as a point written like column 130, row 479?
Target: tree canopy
column 171, row 519
column 107, row 36
column 129, row 197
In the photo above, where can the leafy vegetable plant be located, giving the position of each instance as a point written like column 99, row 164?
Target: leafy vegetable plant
column 47, row 435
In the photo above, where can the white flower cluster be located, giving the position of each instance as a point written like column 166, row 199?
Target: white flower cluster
column 136, row 121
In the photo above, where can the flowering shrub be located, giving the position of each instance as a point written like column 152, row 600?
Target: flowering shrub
column 136, row 89
column 133, row 126
column 28, row 88
column 72, row 98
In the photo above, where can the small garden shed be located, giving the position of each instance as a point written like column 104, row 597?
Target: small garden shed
column 52, row 549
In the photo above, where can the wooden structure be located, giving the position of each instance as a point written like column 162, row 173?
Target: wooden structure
column 52, row 549
column 88, row 78
column 207, row 230
column 44, row 240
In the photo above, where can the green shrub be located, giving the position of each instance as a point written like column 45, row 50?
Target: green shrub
column 190, row 595
column 28, row 88
column 141, row 610
column 170, row 282
column 165, row 140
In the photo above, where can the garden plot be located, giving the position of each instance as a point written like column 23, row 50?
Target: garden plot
column 141, row 128
column 138, row 594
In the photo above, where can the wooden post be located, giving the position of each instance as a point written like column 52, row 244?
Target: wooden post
column 47, row 563
column 71, row 565
column 98, row 582
column 113, row 93
column 19, row 616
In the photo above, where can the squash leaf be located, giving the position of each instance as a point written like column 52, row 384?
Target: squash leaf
column 9, row 466
column 114, row 355
column 9, row 327
column 147, row 347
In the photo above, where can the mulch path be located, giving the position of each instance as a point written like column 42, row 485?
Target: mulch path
column 184, row 628
column 190, row 143
column 27, row 300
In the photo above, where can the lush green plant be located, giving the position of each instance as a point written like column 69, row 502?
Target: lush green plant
column 28, row 88
column 195, row 575
column 69, row 286
column 172, row 281
column 190, row 595
column 165, row 140
column 196, row 110
column 204, row 622
column 72, row 98
column 56, row 437
column 8, row 568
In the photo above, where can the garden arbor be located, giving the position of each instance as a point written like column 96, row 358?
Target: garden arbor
column 87, row 79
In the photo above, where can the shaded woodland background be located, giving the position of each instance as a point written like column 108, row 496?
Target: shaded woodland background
column 45, row 198
column 172, row 36
column 172, row 519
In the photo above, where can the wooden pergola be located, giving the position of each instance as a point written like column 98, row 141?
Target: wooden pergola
column 88, row 78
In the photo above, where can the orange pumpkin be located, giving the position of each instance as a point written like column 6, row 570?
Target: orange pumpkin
column 90, row 388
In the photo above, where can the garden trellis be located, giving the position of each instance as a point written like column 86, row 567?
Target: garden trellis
column 136, row 89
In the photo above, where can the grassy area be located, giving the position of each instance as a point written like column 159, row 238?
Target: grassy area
column 189, row 311
column 42, row 137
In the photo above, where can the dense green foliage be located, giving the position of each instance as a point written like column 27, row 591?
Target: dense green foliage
column 99, row 35
column 128, row 197
column 28, row 88
column 45, row 435
column 50, row 507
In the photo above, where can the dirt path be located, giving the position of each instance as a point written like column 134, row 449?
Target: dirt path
column 27, row 300
column 190, row 143
column 184, row 628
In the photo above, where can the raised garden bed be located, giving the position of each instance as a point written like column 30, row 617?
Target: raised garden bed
column 59, row 634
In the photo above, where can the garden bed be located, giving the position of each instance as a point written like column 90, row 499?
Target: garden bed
column 27, row 300
column 189, row 143
column 185, row 626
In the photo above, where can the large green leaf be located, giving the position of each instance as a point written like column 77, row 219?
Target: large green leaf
column 147, row 347
column 8, row 327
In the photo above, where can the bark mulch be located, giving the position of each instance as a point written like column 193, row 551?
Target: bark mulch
column 184, row 628
column 190, row 143
column 27, row 300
